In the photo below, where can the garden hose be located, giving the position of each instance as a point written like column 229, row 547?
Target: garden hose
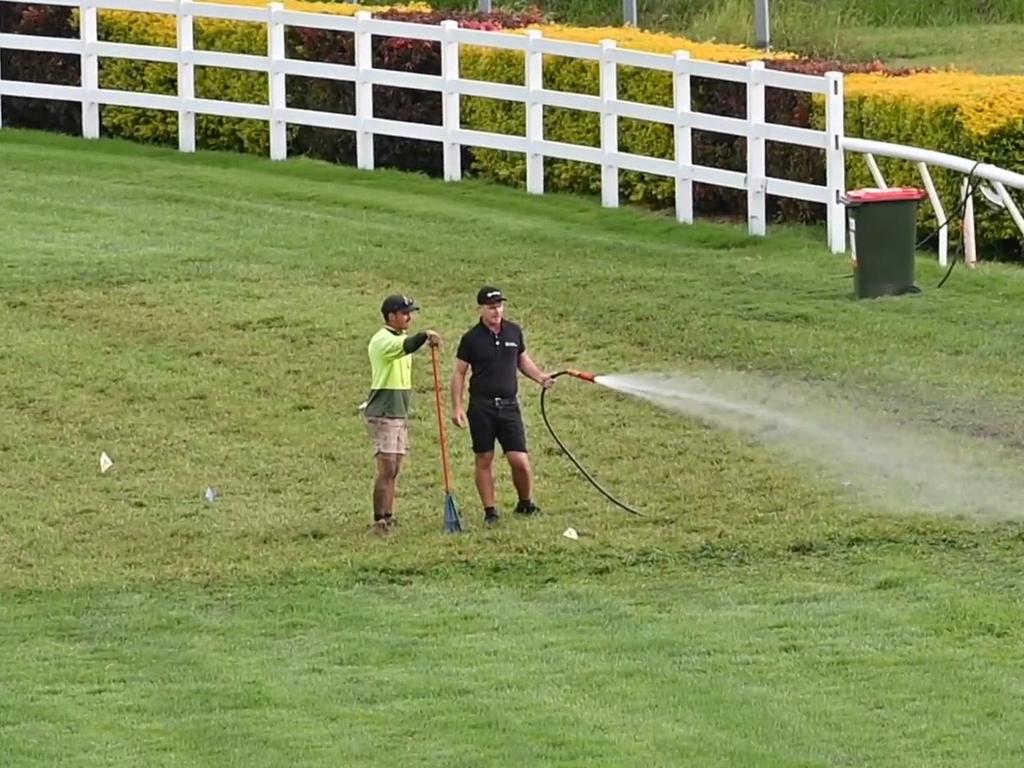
column 972, row 185
column 582, row 376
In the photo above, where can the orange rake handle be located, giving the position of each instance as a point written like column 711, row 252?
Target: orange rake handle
column 440, row 421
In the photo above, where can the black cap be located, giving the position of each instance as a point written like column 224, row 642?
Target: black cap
column 397, row 303
column 489, row 295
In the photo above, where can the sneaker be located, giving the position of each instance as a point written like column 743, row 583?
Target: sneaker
column 527, row 508
column 380, row 528
column 491, row 516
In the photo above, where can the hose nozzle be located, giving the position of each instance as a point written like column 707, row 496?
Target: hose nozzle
column 581, row 375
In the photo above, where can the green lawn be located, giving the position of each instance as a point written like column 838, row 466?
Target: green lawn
column 985, row 48
column 204, row 319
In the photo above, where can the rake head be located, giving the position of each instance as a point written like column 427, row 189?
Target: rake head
column 452, row 523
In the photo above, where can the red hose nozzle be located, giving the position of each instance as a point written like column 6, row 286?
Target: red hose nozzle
column 581, row 375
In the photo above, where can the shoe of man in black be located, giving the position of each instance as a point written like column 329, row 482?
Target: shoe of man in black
column 527, row 508
column 491, row 515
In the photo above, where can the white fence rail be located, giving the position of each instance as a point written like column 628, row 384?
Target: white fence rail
column 532, row 94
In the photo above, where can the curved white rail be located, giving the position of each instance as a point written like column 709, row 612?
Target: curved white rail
column 998, row 196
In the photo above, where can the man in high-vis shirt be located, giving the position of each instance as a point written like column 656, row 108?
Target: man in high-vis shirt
column 386, row 410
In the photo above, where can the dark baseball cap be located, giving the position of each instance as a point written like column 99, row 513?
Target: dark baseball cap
column 489, row 295
column 398, row 303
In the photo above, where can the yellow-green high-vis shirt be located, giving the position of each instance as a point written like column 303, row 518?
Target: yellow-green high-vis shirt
column 391, row 372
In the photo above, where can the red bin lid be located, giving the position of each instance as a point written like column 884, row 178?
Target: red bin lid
column 875, row 195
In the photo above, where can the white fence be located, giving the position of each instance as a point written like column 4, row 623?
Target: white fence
column 755, row 181
column 533, row 144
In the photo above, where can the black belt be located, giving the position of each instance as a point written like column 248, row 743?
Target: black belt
column 497, row 402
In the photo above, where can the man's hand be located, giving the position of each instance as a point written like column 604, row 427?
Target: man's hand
column 433, row 339
column 459, row 417
column 547, row 381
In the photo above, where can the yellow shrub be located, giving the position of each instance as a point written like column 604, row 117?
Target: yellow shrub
column 655, row 42
column 160, row 29
column 983, row 103
column 338, row 9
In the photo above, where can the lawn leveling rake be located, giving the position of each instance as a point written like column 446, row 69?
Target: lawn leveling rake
column 452, row 524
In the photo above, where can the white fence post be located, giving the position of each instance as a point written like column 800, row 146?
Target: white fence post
column 876, row 172
column 967, row 232
column 629, row 14
column 277, row 97
column 933, row 196
column 364, row 92
column 762, row 25
column 756, row 173
column 683, row 138
column 835, row 163
column 186, row 82
column 450, row 103
column 90, row 70
column 534, row 113
column 609, row 90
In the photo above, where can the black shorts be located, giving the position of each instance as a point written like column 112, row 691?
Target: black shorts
column 491, row 420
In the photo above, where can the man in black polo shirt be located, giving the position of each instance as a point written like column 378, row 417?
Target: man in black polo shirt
column 495, row 350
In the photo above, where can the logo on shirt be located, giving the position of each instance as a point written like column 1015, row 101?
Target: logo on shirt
column 511, row 344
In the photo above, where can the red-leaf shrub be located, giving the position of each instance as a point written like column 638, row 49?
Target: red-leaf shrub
column 390, row 103
column 39, row 67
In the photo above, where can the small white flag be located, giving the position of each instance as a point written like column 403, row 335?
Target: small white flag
column 210, row 495
column 571, row 533
column 105, row 462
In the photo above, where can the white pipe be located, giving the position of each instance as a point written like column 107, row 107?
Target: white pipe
column 940, row 213
column 1011, row 206
column 970, row 247
column 876, row 172
column 943, row 160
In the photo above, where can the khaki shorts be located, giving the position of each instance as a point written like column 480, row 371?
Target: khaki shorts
column 388, row 435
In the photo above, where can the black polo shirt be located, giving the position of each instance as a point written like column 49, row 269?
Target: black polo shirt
column 494, row 359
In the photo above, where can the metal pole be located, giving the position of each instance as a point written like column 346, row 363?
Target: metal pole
column 484, row 6
column 629, row 13
column 762, row 33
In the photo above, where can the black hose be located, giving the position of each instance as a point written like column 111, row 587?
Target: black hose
column 972, row 186
column 574, row 460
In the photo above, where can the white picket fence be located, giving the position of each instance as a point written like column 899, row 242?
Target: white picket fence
column 452, row 87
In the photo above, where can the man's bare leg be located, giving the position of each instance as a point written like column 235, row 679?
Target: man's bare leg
column 484, row 464
column 385, row 485
column 522, row 475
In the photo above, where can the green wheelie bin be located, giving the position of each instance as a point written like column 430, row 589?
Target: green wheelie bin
column 883, row 232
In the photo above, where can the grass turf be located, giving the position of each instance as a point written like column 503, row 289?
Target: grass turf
column 204, row 319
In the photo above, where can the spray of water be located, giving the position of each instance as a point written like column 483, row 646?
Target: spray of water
column 888, row 462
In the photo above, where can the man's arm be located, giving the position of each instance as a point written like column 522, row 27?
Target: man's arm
column 530, row 369
column 414, row 342
column 394, row 347
column 458, row 387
